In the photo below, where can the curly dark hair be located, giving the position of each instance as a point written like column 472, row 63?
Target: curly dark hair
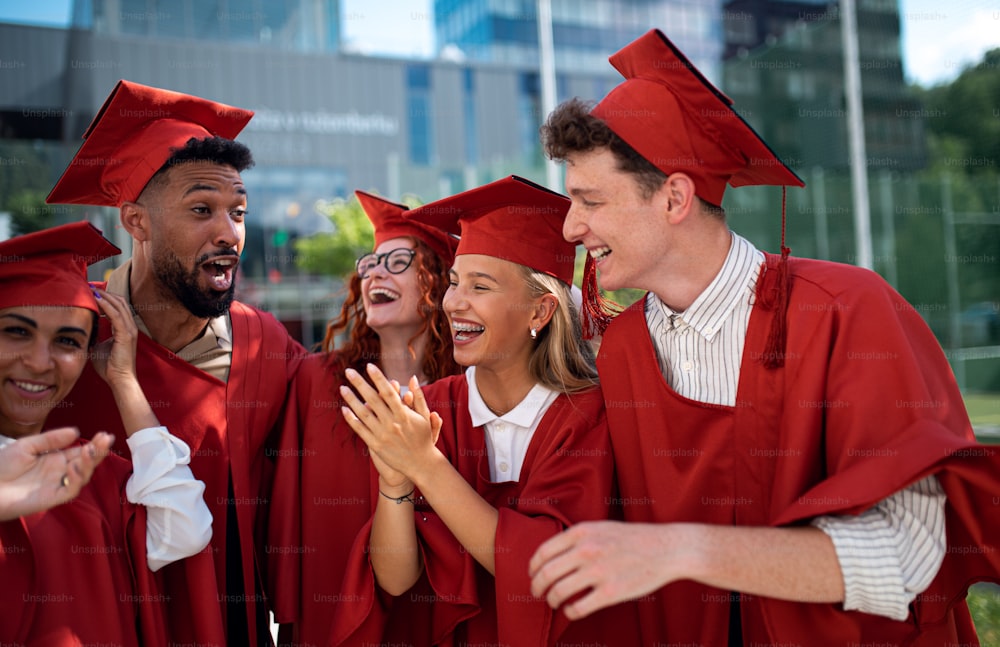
column 217, row 150
column 363, row 345
column 572, row 129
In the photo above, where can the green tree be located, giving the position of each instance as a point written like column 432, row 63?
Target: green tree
column 28, row 212
column 984, row 604
column 333, row 253
column 968, row 110
column 24, row 183
column 963, row 139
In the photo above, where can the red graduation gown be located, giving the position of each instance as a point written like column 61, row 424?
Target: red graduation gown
column 323, row 484
column 228, row 427
column 566, row 477
column 864, row 406
column 77, row 573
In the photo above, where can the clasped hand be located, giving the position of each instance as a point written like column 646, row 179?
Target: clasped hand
column 400, row 432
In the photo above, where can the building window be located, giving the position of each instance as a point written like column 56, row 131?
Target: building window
column 801, row 85
column 418, row 104
column 469, row 109
column 529, row 109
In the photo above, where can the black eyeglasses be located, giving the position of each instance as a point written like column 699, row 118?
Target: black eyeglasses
column 396, row 261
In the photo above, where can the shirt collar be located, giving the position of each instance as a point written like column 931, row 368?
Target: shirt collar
column 523, row 415
column 217, row 333
column 735, row 281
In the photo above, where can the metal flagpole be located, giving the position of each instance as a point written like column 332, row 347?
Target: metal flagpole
column 856, row 134
column 547, row 74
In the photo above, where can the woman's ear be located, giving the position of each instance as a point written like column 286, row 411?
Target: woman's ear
column 545, row 308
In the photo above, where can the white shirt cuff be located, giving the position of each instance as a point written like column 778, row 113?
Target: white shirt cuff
column 178, row 523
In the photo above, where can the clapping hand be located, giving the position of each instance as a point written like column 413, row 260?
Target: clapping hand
column 399, row 433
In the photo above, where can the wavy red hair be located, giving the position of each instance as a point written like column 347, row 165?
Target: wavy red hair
column 363, row 344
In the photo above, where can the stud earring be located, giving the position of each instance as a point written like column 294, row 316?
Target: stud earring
column 534, row 333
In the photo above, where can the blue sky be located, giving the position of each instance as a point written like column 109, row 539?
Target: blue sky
column 938, row 38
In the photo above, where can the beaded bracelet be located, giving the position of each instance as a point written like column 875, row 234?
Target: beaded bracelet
column 407, row 498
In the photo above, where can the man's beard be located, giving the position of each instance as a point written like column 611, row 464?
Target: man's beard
column 183, row 285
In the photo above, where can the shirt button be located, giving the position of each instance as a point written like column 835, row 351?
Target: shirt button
column 504, row 467
column 687, row 366
column 709, row 331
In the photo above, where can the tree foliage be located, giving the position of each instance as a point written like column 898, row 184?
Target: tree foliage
column 334, row 253
column 28, row 212
column 966, row 115
column 963, row 132
column 984, row 604
column 24, row 183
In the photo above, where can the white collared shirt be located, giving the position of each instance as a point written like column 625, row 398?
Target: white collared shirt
column 508, row 436
column 889, row 553
column 178, row 523
column 699, row 350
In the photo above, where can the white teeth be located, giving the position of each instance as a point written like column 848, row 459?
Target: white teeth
column 389, row 294
column 32, row 388
column 467, row 327
column 599, row 252
column 225, row 263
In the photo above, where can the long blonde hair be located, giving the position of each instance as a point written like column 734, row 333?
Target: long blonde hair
column 562, row 360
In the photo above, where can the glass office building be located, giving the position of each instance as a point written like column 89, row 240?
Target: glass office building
column 584, row 32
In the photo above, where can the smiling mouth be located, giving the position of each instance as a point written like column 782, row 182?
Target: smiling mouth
column 379, row 296
column 466, row 331
column 31, row 388
column 32, row 391
column 599, row 253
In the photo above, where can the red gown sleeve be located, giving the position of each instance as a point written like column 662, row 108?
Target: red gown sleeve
column 569, row 480
column 891, row 400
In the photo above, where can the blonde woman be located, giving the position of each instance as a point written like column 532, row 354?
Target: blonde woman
column 515, row 451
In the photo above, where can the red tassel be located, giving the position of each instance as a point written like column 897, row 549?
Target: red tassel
column 774, row 350
column 597, row 311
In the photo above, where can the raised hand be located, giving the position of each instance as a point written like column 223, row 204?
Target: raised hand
column 114, row 358
column 400, row 438
column 39, row 472
column 114, row 361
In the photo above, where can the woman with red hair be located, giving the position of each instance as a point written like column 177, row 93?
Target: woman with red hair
column 322, row 493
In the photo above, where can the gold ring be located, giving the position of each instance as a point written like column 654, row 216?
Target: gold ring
column 65, row 480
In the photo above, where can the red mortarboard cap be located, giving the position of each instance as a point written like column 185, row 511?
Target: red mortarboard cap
column 49, row 267
column 131, row 138
column 676, row 119
column 513, row 219
column 390, row 221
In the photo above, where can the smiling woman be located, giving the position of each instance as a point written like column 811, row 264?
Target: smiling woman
column 493, row 462
column 42, row 353
column 48, row 315
column 324, row 478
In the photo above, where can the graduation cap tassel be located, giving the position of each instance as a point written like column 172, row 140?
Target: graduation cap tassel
column 597, row 310
column 774, row 352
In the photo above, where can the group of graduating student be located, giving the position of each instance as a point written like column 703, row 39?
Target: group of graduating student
column 734, row 467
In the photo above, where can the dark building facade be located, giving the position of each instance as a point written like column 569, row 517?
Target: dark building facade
column 784, row 70
column 328, row 122
column 325, row 124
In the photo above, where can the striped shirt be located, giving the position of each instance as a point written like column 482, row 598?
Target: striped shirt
column 889, row 553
